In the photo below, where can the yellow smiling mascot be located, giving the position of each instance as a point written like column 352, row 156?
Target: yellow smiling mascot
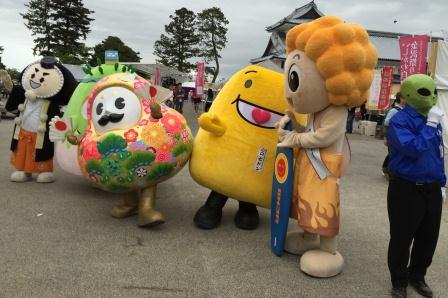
column 234, row 149
column 329, row 68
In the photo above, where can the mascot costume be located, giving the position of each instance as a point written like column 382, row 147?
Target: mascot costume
column 329, row 68
column 414, row 199
column 234, row 149
column 48, row 85
column 76, row 112
column 131, row 143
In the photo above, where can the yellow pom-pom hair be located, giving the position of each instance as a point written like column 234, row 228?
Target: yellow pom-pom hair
column 343, row 55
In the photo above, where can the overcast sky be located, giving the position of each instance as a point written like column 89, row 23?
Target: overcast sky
column 139, row 23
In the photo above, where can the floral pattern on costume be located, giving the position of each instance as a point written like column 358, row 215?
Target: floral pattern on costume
column 163, row 156
column 140, row 156
column 131, row 136
column 143, row 122
column 172, row 123
column 90, row 150
column 146, row 106
column 154, row 135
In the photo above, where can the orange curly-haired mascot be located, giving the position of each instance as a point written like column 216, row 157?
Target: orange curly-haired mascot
column 329, row 68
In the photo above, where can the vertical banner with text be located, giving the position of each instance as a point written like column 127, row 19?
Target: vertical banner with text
column 413, row 51
column 375, row 89
column 199, row 85
column 386, row 83
column 157, row 78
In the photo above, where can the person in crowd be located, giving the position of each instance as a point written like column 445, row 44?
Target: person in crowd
column 414, row 198
column 196, row 101
column 209, row 99
column 179, row 98
column 170, row 102
column 190, row 96
column 398, row 105
column 350, row 118
column 363, row 111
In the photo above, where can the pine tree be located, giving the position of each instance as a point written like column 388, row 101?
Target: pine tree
column 60, row 26
column 71, row 25
column 125, row 53
column 2, row 66
column 37, row 19
column 212, row 30
column 180, row 42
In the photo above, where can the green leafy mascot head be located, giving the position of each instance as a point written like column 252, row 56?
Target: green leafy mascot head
column 75, row 108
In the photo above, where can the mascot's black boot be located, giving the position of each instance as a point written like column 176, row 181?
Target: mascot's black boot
column 210, row 214
column 247, row 217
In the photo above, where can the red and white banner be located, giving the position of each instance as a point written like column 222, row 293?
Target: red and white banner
column 199, row 85
column 157, row 78
column 375, row 89
column 413, row 51
column 386, row 82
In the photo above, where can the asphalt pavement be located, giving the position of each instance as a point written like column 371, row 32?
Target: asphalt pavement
column 58, row 240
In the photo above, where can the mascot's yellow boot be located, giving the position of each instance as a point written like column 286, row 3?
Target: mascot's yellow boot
column 235, row 147
column 147, row 215
column 127, row 208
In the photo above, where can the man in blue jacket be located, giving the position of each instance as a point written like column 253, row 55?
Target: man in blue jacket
column 414, row 198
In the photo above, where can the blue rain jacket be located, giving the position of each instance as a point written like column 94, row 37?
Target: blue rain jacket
column 416, row 149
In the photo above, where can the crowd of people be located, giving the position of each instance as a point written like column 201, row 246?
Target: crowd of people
column 182, row 95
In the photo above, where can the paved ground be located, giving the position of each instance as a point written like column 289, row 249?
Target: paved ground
column 58, row 240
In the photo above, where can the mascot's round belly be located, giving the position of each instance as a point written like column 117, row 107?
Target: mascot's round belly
column 139, row 157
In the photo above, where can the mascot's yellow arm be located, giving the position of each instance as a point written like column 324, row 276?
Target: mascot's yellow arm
column 212, row 123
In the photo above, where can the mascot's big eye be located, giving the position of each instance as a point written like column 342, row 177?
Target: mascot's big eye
column 99, row 108
column 33, row 75
column 435, row 91
column 424, row 92
column 293, row 78
column 248, row 83
column 119, row 103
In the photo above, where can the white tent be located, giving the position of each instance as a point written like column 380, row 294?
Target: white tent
column 441, row 78
column 188, row 84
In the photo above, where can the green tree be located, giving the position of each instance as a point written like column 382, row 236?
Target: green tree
column 14, row 73
column 37, row 19
column 125, row 53
column 179, row 44
column 2, row 66
column 59, row 27
column 212, row 31
column 71, row 26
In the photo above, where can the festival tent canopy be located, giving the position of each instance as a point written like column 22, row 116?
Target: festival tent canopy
column 441, row 78
column 165, row 71
column 441, row 74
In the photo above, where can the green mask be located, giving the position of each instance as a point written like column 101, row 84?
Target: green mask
column 420, row 92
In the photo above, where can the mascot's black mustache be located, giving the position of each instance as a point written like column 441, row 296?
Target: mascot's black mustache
column 114, row 118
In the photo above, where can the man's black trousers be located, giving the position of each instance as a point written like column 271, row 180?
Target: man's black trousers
column 414, row 215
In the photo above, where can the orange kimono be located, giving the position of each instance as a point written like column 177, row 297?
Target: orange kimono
column 316, row 201
column 23, row 158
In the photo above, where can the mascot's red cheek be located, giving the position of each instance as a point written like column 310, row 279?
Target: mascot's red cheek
column 260, row 116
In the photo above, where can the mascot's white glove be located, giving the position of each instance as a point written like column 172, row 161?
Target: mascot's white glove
column 30, row 95
column 288, row 139
column 434, row 116
column 282, row 123
column 58, row 129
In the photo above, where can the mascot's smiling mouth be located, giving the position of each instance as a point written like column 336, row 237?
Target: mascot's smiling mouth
column 34, row 85
column 114, row 118
column 257, row 115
